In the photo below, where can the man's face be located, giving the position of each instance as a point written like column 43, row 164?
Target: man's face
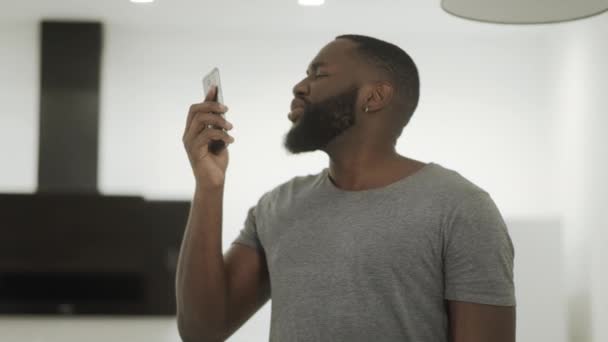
column 325, row 101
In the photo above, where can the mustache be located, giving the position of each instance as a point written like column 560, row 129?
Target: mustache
column 303, row 101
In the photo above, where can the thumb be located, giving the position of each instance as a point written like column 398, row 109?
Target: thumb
column 211, row 94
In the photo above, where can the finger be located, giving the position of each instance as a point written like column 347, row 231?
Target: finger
column 204, row 138
column 204, row 107
column 209, row 97
column 216, row 134
column 209, row 107
column 202, row 120
column 213, row 119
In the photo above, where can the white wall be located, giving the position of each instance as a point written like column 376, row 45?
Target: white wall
column 19, row 90
column 596, row 170
column 581, row 106
column 491, row 108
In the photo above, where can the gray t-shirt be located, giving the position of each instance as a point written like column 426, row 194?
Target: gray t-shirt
column 379, row 264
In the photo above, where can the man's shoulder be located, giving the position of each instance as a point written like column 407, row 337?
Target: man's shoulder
column 451, row 186
column 292, row 187
column 466, row 205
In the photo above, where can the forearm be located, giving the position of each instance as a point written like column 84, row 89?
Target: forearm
column 201, row 288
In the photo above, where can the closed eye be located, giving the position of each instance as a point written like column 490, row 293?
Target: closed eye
column 316, row 74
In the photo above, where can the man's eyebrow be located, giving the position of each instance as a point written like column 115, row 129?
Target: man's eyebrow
column 315, row 65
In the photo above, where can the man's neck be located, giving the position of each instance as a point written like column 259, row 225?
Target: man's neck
column 376, row 174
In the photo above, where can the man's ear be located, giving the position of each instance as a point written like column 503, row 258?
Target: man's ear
column 380, row 95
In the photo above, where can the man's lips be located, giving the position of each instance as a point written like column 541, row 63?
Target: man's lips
column 297, row 109
column 295, row 114
column 295, row 103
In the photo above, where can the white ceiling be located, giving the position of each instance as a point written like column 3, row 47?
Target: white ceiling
column 284, row 17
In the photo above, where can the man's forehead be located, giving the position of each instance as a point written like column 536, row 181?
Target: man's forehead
column 337, row 52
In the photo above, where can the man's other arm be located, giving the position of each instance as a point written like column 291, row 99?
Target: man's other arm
column 472, row 322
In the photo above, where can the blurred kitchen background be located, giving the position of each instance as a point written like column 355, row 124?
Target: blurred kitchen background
column 95, row 184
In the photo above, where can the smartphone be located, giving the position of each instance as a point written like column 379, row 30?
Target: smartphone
column 213, row 79
column 210, row 80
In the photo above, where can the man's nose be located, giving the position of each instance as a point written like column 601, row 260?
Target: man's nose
column 301, row 89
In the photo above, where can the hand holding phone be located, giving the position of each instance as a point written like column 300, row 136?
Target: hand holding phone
column 205, row 140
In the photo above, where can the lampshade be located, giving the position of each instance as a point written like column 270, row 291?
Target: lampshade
column 524, row 11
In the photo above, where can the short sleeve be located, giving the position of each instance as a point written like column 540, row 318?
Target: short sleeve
column 249, row 233
column 478, row 254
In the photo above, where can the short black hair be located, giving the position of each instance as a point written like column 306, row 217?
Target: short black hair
column 399, row 67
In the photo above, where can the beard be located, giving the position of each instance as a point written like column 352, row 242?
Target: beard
column 322, row 122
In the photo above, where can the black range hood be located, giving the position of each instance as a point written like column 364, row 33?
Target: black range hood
column 67, row 249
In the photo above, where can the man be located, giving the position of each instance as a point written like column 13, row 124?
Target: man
column 377, row 247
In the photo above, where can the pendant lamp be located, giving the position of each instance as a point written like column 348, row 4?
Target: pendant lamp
column 524, row 11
